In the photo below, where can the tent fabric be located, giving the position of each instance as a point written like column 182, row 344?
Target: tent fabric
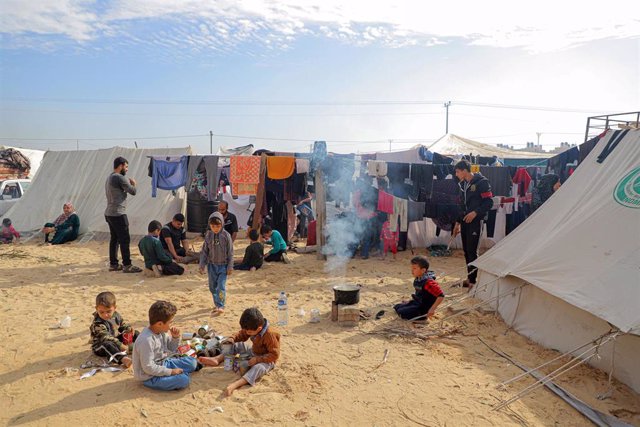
column 79, row 177
column 583, row 244
column 451, row 144
column 556, row 324
column 412, row 155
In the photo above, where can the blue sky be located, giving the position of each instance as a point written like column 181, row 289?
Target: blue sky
column 356, row 74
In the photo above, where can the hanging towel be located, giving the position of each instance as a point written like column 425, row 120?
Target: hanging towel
column 169, row 173
column 415, row 211
column 302, row 165
column 385, row 202
column 280, row 167
column 244, row 174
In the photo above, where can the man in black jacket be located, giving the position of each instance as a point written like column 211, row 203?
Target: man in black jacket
column 476, row 201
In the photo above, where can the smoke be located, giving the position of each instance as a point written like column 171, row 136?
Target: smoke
column 343, row 232
column 343, row 235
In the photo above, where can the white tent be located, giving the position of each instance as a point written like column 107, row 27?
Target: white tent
column 79, row 177
column 578, row 258
column 411, row 155
column 450, row 145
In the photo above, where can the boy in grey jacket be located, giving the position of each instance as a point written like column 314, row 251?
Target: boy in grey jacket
column 217, row 255
column 153, row 363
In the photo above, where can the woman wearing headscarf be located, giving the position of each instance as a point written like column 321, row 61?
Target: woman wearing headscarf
column 64, row 229
column 547, row 185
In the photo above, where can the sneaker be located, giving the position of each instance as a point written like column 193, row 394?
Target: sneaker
column 131, row 269
column 116, row 267
column 285, row 258
column 156, row 271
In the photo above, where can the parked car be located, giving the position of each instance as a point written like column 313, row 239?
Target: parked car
column 10, row 192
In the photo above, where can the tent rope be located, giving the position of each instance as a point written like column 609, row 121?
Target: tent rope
column 573, row 363
column 485, row 302
column 453, row 301
column 537, row 368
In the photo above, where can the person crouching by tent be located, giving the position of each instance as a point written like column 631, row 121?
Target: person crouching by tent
column 64, row 229
column 157, row 261
column 427, row 296
column 547, row 185
column 9, row 234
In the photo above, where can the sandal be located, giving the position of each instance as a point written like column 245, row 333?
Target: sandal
column 131, row 269
column 116, row 267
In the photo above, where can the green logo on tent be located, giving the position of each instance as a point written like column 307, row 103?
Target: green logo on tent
column 627, row 192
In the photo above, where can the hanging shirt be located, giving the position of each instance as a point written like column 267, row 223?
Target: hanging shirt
column 523, row 180
column 168, row 173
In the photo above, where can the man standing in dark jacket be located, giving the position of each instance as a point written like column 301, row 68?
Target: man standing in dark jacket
column 476, row 201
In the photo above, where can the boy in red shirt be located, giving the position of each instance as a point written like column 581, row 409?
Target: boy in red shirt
column 427, row 296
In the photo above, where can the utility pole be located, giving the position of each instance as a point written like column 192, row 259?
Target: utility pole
column 446, row 105
column 210, row 142
column 390, row 141
column 77, row 145
column 538, row 134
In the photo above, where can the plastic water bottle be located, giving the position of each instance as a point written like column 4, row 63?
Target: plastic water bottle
column 283, row 310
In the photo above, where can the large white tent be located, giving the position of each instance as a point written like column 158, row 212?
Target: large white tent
column 574, row 265
column 451, row 144
column 79, row 177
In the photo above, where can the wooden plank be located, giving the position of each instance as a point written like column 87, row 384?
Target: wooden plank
column 257, row 218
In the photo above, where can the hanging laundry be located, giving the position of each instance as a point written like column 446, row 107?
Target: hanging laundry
column 244, row 174
column 280, row 167
column 422, row 177
column 415, row 211
column 611, row 145
column 169, row 173
column 385, row 202
column 523, row 180
column 400, row 208
column 377, row 168
column 302, row 165
column 499, row 178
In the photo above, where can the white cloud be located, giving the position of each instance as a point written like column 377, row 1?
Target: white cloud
column 540, row 26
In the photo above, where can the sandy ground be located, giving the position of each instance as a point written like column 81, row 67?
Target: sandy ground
column 327, row 375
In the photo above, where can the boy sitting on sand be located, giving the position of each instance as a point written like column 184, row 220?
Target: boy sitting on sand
column 152, row 361
column 110, row 335
column 427, row 296
column 157, row 261
column 264, row 352
column 253, row 254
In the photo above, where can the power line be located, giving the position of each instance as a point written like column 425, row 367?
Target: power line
column 102, row 139
column 298, row 103
column 220, row 115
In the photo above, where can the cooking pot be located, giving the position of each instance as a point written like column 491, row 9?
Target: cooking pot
column 347, row 294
